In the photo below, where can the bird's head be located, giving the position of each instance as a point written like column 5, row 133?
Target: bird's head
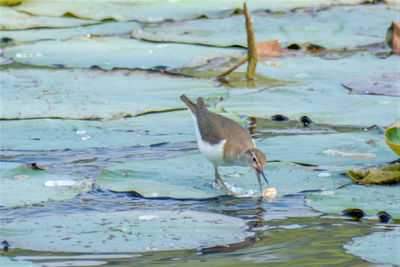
column 257, row 160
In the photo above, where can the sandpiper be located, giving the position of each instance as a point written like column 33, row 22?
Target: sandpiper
column 224, row 142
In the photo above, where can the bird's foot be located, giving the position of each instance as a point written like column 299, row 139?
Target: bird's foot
column 217, row 185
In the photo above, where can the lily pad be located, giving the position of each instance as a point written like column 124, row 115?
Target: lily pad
column 322, row 97
column 112, row 95
column 14, row 20
column 39, row 134
column 16, row 180
column 310, row 149
column 126, row 231
column 379, row 247
column 157, row 10
column 263, row 127
column 381, row 84
column 101, row 29
column 114, row 52
column 191, row 177
column 333, row 28
column 5, row 261
column 392, row 138
column 371, row 199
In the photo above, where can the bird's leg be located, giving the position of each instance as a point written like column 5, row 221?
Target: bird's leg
column 219, row 180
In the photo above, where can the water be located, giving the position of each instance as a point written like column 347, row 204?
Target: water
column 283, row 231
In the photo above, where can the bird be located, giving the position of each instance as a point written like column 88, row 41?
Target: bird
column 224, row 142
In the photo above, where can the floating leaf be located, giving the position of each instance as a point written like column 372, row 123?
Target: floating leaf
column 322, row 98
column 191, row 177
column 146, row 11
column 39, row 134
column 14, row 20
column 6, row 261
column 371, row 199
column 281, row 125
column 381, row 84
column 114, row 52
column 114, row 94
column 336, row 27
column 310, row 149
column 379, row 247
column 125, row 231
column 101, row 29
column 13, row 191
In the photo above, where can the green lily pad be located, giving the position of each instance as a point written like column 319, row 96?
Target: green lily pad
column 310, row 149
column 157, row 10
column 379, row 247
column 392, row 138
column 371, row 199
column 322, row 98
column 79, row 134
column 192, row 176
column 6, row 261
column 381, row 84
column 386, row 175
column 14, row 20
column 112, row 95
column 102, row 29
column 114, row 52
column 126, row 231
column 263, row 127
column 42, row 186
column 333, row 28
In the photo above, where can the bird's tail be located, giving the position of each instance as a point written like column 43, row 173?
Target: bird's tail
column 189, row 103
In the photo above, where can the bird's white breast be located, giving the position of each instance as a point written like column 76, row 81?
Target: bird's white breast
column 213, row 152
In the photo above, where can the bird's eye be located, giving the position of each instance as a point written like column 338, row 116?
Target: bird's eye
column 254, row 159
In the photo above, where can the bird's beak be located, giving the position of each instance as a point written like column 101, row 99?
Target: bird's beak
column 261, row 172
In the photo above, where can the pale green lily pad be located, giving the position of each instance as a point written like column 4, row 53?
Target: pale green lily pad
column 112, row 52
column 158, row 10
column 379, row 247
column 310, row 149
column 322, row 98
column 192, row 176
column 17, row 180
column 7, row 262
column 371, row 199
column 77, row 93
column 334, row 28
column 103, row 29
column 14, row 20
column 126, row 231
column 150, row 129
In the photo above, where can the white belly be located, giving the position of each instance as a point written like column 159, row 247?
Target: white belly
column 213, row 152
